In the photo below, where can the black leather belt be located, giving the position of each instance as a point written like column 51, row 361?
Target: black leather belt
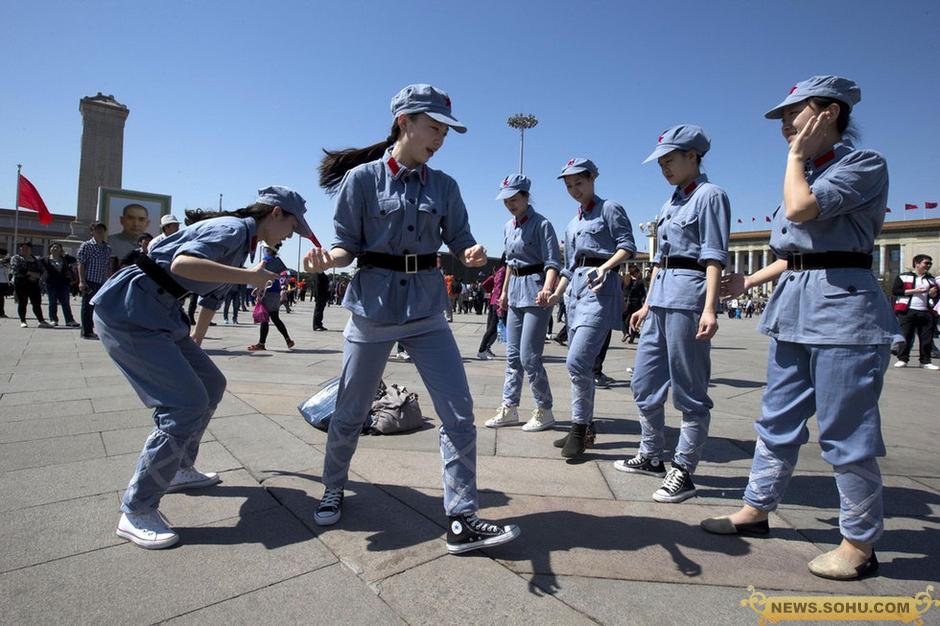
column 527, row 270
column 798, row 261
column 590, row 261
column 161, row 277
column 681, row 263
column 409, row 263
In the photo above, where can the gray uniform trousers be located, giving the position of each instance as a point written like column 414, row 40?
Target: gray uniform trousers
column 439, row 363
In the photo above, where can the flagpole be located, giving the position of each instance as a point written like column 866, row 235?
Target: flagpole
column 16, row 212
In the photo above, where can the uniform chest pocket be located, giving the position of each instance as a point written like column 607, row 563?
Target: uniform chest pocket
column 687, row 217
column 385, row 207
column 430, row 214
column 593, row 230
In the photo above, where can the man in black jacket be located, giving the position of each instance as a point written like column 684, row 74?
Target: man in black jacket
column 915, row 296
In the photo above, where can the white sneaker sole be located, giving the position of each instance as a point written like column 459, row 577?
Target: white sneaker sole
column 486, row 543
column 530, row 428
column 327, row 520
column 147, row 543
column 679, row 497
column 492, row 424
column 621, row 467
column 199, row 484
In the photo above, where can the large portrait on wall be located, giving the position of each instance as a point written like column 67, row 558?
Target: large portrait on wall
column 128, row 214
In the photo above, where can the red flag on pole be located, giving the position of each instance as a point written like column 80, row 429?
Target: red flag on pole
column 766, row 218
column 930, row 205
column 910, row 207
column 30, row 199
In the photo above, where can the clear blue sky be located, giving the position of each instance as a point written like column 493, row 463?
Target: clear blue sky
column 229, row 96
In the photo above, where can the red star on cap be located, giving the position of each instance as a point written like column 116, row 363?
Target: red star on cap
column 569, row 163
column 506, row 182
column 660, row 140
column 792, row 89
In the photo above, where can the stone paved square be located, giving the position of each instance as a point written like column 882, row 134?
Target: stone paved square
column 594, row 549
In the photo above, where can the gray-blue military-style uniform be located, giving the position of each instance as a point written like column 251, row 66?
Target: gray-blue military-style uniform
column 831, row 331
column 146, row 332
column 596, row 233
column 384, row 207
column 694, row 225
column 529, row 240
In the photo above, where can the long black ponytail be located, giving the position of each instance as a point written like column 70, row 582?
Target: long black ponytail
column 337, row 162
column 256, row 210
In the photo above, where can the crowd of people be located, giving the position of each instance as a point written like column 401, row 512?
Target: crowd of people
column 830, row 327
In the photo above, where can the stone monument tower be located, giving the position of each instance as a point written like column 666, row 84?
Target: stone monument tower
column 102, row 156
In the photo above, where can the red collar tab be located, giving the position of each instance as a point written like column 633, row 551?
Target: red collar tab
column 688, row 189
column 824, row 159
column 518, row 222
column 397, row 169
column 585, row 211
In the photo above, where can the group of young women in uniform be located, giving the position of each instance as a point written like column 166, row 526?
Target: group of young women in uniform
column 830, row 327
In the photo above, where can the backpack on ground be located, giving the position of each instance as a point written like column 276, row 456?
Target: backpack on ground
column 396, row 411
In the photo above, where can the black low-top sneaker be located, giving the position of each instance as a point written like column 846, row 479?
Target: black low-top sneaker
column 641, row 465
column 469, row 532
column 677, row 486
column 330, row 508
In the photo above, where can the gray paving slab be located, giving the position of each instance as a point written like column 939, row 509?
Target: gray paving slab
column 31, row 487
column 640, row 603
column 514, row 475
column 212, row 563
column 18, row 398
column 40, row 410
column 456, row 590
column 262, row 446
column 53, row 531
column 54, row 451
column 46, row 428
column 378, row 536
column 330, row 595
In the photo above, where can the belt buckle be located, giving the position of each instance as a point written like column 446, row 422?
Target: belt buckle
column 411, row 263
column 796, row 259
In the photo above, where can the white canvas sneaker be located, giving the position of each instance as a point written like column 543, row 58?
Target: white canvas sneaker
column 541, row 420
column 147, row 530
column 191, row 478
column 505, row 416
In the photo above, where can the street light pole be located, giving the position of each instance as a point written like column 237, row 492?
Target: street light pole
column 522, row 121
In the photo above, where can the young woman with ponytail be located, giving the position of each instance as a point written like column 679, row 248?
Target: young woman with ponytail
column 393, row 213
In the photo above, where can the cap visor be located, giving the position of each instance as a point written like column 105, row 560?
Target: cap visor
column 569, row 171
column 775, row 113
column 303, row 229
column 444, row 119
column 661, row 150
column 506, row 193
